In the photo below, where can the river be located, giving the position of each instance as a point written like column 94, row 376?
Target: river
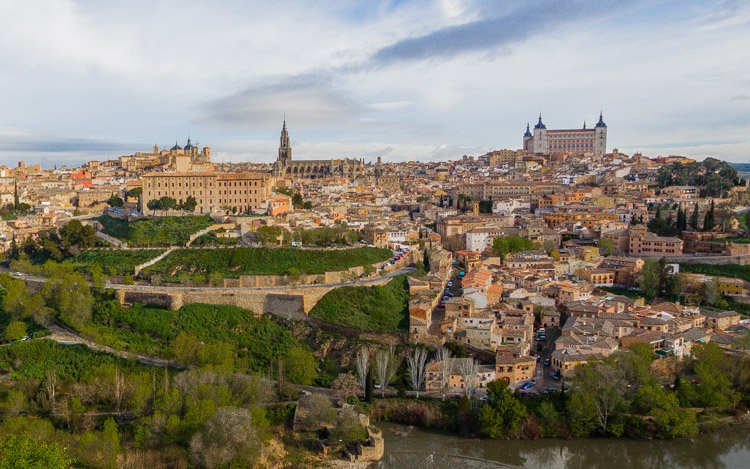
column 727, row 448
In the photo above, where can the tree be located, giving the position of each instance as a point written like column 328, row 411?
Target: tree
column 297, row 200
column 300, row 365
column 16, row 330
column 24, row 451
column 68, row 293
column 134, row 193
column 416, row 362
column 503, row 412
column 600, row 389
column 115, row 201
column 185, row 349
column 154, row 205
column 468, row 368
column 230, row 438
column 671, row 421
column 426, row 260
column 709, row 220
column 694, row 217
column 189, row 204
column 549, row 420
column 307, row 205
column 681, row 220
column 505, row 245
column 345, row 386
column 607, row 247
column 362, row 364
column 75, row 236
column 385, row 367
column 167, row 203
column 445, row 365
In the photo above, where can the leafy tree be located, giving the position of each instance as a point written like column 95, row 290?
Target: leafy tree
column 307, row 205
column 69, row 295
column 168, row 203
column 345, row 386
column 607, row 247
column 426, row 260
column 658, row 280
column 503, row 413
column 549, row 419
column 154, row 205
column 115, row 201
column 300, row 365
column 22, row 451
column 671, row 421
column 505, row 245
column 681, row 220
column 297, row 201
column 185, row 349
column 189, row 204
column 75, row 236
column 16, row 330
column 134, row 193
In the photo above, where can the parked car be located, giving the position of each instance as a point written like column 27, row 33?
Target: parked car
column 546, row 362
column 527, row 385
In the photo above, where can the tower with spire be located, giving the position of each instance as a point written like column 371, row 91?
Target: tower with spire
column 285, row 148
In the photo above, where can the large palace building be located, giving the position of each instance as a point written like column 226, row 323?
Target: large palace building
column 213, row 191
column 312, row 169
column 569, row 141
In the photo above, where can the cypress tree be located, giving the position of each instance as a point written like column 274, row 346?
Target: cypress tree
column 681, row 220
column 694, row 217
column 658, row 212
column 709, row 220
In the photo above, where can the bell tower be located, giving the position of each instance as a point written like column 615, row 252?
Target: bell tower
column 285, row 149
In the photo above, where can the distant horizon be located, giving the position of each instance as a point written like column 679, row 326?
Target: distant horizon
column 429, row 80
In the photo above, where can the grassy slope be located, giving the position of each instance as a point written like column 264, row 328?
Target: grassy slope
column 379, row 308
column 150, row 330
column 161, row 231
column 264, row 261
column 730, row 270
column 116, row 262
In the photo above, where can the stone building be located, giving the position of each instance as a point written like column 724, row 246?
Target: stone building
column 214, row 192
column 574, row 141
column 177, row 158
column 284, row 166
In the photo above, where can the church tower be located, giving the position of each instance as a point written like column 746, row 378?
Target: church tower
column 285, row 149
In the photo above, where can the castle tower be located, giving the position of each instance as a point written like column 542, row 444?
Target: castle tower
column 541, row 144
column 528, row 140
column 600, row 142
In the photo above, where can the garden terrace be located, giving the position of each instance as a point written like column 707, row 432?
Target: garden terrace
column 198, row 264
column 113, row 262
column 162, row 231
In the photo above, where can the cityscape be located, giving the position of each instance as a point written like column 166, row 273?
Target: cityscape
column 561, row 292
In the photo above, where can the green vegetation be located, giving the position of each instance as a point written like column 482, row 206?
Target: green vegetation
column 210, row 239
column 727, row 270
column 378, row 308
column 716, row 176
column 162, row 231
column 113, row 262
column 199, row 264
column 657, row 280
column 258, row 343
column 623, row 291
column 505, row 245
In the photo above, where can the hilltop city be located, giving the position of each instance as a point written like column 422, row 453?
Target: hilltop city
column 160, row 308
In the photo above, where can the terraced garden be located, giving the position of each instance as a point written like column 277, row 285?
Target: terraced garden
column 162, row 231
column 114, row 262
column 199, row 264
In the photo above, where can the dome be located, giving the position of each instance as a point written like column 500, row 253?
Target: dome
column 175, row 147
column 189, row 146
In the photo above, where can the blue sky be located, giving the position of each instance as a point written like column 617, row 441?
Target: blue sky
column 404, row 80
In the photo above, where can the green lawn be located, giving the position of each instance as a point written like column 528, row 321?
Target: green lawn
column 379, row 308
column 729, row 270
column 150, row 330
column 198, row 264
column 162, row 231
column 115, row 262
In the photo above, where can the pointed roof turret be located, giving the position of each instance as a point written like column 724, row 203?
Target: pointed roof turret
column 584, row 125
column 540, row 124
column 601, row 121
column 528, row 131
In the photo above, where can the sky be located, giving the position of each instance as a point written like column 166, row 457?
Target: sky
column 405, row 80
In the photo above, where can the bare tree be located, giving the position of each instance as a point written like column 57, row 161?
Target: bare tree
column 445, row 366
column 385, row 367
column 468, row 369
column 119, row 384
column 416, row 362
column 51, row 387
column 363, row 365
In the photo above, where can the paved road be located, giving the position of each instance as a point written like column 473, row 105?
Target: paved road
column 160, row 289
